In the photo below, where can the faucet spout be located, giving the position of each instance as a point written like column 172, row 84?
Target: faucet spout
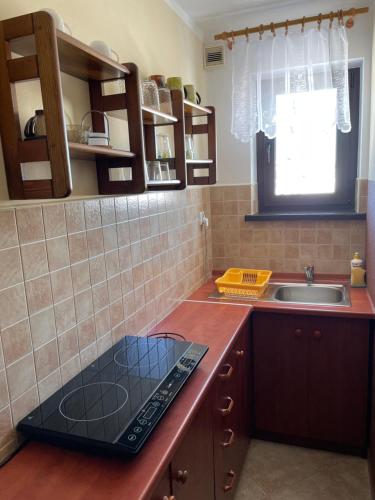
column 309, row 273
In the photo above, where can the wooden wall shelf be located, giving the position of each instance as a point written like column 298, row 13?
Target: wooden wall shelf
column 85, row 152
column 45, row 53
column 76, row 58
column 199, row 162
column 195, row 109
column 153, row 117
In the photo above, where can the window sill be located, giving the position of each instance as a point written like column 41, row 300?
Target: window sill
column 275, row 216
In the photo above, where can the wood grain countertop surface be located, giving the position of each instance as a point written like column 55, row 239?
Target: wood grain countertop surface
column 41, row 471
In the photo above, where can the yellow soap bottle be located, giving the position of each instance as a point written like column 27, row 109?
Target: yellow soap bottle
column 357, row 272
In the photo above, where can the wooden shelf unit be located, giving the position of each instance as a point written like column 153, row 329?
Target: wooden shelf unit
column 45, row 53
column 178, row 162
column 192, row 111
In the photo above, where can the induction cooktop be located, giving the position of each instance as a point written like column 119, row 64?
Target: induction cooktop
column 117, row 401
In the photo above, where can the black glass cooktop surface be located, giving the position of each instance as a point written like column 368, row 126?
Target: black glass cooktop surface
column 117, row 401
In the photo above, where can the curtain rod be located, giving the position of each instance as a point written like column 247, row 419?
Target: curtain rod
column 230, row 35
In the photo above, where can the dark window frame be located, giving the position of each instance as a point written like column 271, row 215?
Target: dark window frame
column 343, row 200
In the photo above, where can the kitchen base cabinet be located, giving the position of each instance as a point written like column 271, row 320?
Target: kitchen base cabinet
column 231, row 418
column 192, row 467
column 208, row 463
column 310, row 378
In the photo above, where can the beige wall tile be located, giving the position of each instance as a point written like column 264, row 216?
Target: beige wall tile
column 123, row 234
column 65, row 315
column 102, row 322
column 68, row 345
column 30, row 224
column 100, row 296
column 12, row 305
column 121, row 209
column 70, row 369
column 6, row 427
column 110, row 238
column 95, row 242
column 80, row 276
column 114, row 288
column 92, row 213
column 58, row 253
column 107, row 208
column 8, row 233
column 83, row 305
column 112, row 263
column 49, row 385
column 34, row 260
column 21, row 376
column 75, row 218
column 43, row 327
column 97, row 269
column 86, row 332
column 10, row 267
column 38, row 293
column 16, row 341
column 4, row 394
column 78, row 250
column 62, row 286
column 46, row 360
column 54, row 220
column 116, row 313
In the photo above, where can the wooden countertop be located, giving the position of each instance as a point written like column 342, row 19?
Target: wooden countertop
column 361, row 307
column 41, row 471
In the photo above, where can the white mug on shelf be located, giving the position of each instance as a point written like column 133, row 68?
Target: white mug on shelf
column 104, row 49
column 59, row 21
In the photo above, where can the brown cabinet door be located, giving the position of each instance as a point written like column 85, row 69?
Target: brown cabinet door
column 280, row 347
column 232, row 417
column 163, row 490
column 338, row 380
column 192, row 467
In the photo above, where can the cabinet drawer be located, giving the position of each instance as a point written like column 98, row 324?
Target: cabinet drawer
column 231, row 417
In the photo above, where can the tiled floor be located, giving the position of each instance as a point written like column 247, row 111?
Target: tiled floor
column 278, row 472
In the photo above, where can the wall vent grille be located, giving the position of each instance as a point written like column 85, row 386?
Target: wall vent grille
column 213, row 56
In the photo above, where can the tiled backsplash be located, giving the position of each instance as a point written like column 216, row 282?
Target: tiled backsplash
column 75, row 277
column 280, row 246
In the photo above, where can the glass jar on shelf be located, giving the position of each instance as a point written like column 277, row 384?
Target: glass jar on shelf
column 163, row 147
column 164, row 171
column 150, row 94
column 189, row 147
column 153, row 170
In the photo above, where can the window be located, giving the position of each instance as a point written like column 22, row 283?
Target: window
column 310, row 166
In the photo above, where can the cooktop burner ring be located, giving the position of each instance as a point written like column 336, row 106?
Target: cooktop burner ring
column 71, row 393
column 168, row 335
column 136, row 364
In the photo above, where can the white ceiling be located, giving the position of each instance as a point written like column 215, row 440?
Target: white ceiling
column 199, row 9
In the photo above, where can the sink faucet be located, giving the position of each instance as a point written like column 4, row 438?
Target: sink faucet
column 309, row 273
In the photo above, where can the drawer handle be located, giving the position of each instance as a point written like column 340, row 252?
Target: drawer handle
column 298, row 332
column 228, row 373
column 226, row 444
column 232, row 476
column 229, row 408
column 182, row 476
column 317, row 334
column 240, row 353
column 169, row 498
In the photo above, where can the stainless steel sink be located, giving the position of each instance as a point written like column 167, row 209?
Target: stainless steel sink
column 302, row 293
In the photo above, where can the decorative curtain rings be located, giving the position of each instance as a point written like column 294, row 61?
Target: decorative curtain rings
column 261, row 31
column 273, row 29
column 303, row 24
column 286, row 27
column 331, row 17
column 247, row 34
column 319, row 21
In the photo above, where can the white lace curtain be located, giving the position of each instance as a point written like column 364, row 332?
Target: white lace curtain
column 299, row 61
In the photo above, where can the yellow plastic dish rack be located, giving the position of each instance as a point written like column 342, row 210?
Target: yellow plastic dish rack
column 243, row 282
